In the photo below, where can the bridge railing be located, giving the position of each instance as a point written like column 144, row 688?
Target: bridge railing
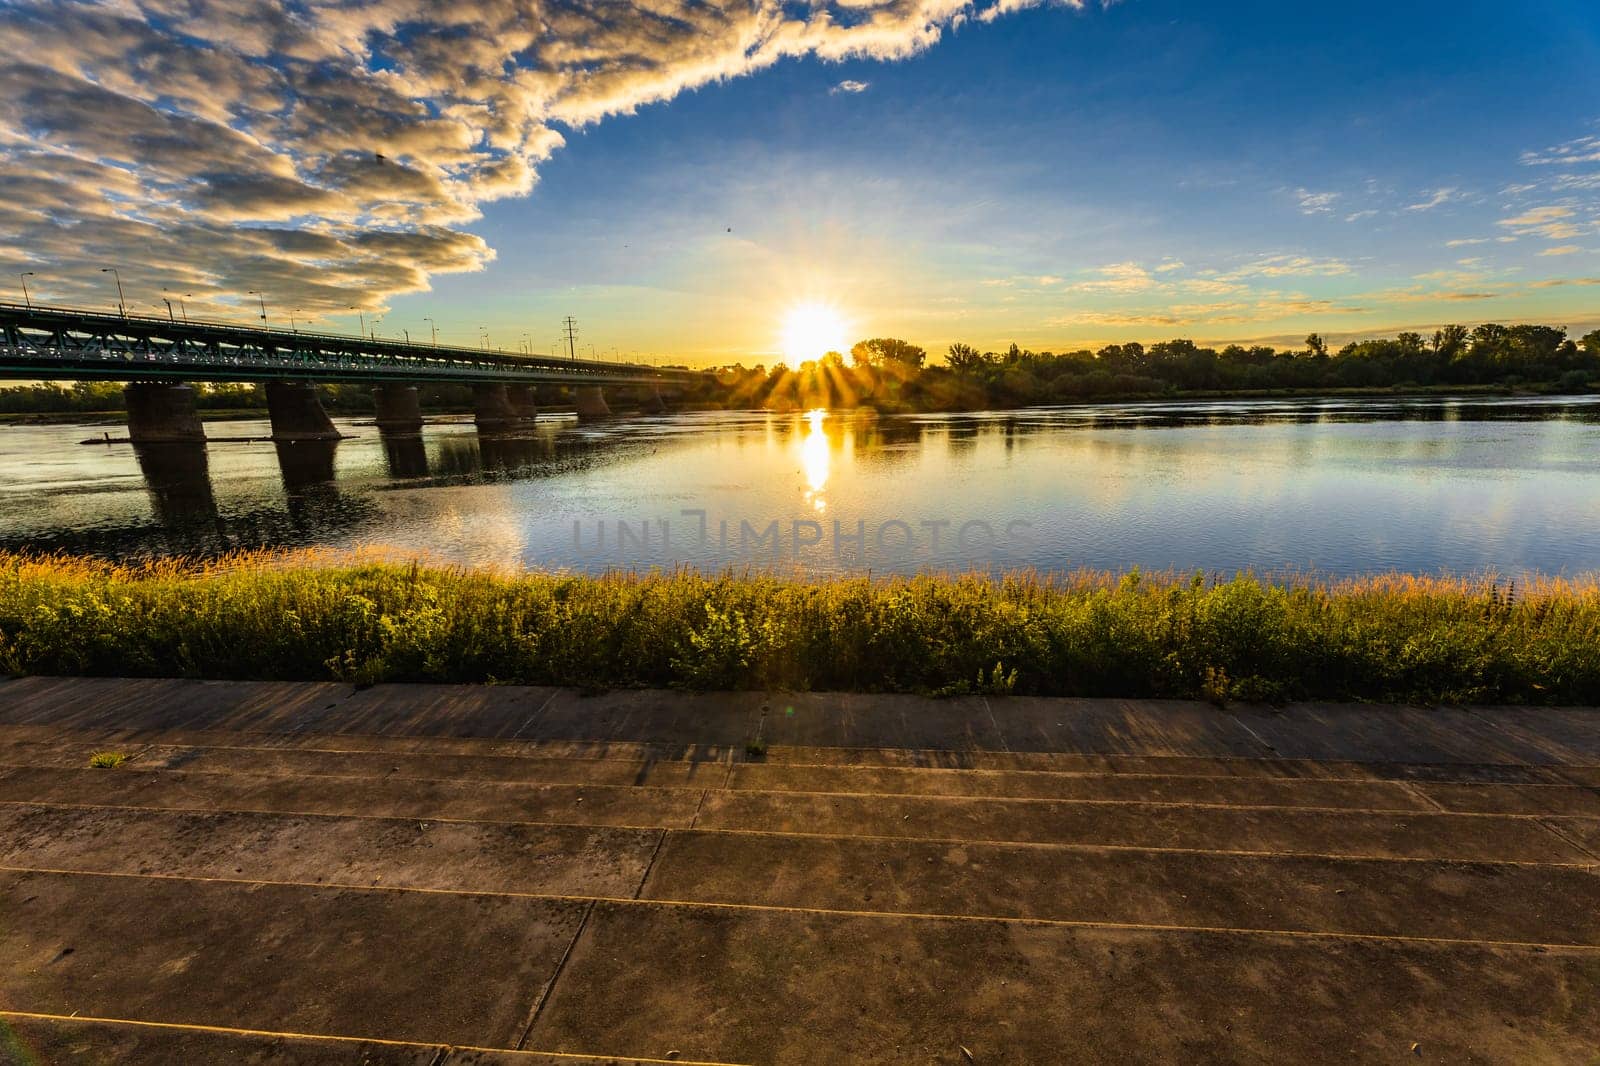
column 438, row 357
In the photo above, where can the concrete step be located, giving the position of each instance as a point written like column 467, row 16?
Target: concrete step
column 1350, row 832
column 45, row 744
column 1233, row 789
column 1277, row 830
column 801, row 987
column 1428, row 898
column 34, row 1040
column 682, row 982
column 423, row 798
column 414, row 966
column 555, row 860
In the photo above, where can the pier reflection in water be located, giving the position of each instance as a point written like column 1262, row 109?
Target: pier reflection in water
column 1342, row 486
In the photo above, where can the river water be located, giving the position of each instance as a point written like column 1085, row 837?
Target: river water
column 1336, row 486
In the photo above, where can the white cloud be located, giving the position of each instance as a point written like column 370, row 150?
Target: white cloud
column 1357, row 216
column 1563, row 249
column 850, row 86
column 1465, row 241
column 328, row 151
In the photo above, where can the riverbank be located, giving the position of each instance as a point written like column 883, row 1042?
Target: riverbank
column 273, row 617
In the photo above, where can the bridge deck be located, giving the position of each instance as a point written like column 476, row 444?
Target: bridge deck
column 56, row 343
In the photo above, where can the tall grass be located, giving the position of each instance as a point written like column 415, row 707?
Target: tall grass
column 368, row 619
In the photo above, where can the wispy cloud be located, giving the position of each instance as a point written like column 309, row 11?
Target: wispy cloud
column 1357, row 216
column 1315, row 203
column 1436, row 198
column 1563, row 249
column 1553, row 222
column 850, row 86
column 1577, row 150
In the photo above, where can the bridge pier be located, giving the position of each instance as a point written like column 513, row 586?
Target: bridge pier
column 590, row 402
column 399, row 410
column 650, row 401
column 523, row 401
column 162, row 412
column 492, row 409
column 296, row 412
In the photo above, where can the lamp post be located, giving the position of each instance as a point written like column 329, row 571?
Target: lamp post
column 183, row 307
column 122, row 305
column 25, row 275
column 362, row 315
column 429, row 320
column 294, row 326
column 262, row 300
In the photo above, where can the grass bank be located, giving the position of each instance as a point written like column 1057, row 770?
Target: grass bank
column 275, row 617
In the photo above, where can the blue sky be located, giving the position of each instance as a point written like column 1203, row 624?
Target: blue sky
column 679, row 175
column 941, row 200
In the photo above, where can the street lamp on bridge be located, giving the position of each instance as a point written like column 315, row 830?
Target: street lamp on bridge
column 362, row 315
column 122, row 305
column 429, row 320
column 292, row 325
column 262, row 300
column 25, row 275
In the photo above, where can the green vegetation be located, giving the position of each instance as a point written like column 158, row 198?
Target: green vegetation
column 311, row 617
column 890, row 374
column 107, row 760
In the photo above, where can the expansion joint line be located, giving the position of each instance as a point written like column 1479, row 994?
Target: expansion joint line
column 550, row 985
column 651, row 865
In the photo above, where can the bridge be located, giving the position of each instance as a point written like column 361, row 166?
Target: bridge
column 158, row 356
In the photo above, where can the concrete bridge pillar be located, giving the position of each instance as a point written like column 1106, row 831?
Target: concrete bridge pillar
column 492, row 409
column 296, row 412
column 523, row 401
column 399, row 410
column 161, row 412
column 590, row 403
column 650, row 401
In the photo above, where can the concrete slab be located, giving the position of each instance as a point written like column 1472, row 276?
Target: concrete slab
column 1583, row 832
column 26, row 1041
column 1577, row 800
column 680, row 725
column 1120, row 727
column 1374, row 733
column 1493, row 838
column 528, row 769
column 796, row 987
column 1301, row 792
column 1167, row 765
column 1562, row 734
column 40, row 1041
column 156, row 703
column 1447, row 900
column 441, row 710
column 379, row 797
column 395, row 853
column 419, row 966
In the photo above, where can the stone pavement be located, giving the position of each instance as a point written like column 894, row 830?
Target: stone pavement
column 429, row 874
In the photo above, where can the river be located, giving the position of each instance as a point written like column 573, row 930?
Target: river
column 1340, row 487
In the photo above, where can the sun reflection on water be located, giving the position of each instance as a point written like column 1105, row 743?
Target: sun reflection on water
column 814, row 458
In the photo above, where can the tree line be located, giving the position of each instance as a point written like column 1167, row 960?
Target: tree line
column 893, row 374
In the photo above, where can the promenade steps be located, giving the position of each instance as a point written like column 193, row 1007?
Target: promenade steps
column 443, row 874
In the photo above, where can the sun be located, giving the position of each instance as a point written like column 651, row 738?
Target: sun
column 812, row 330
